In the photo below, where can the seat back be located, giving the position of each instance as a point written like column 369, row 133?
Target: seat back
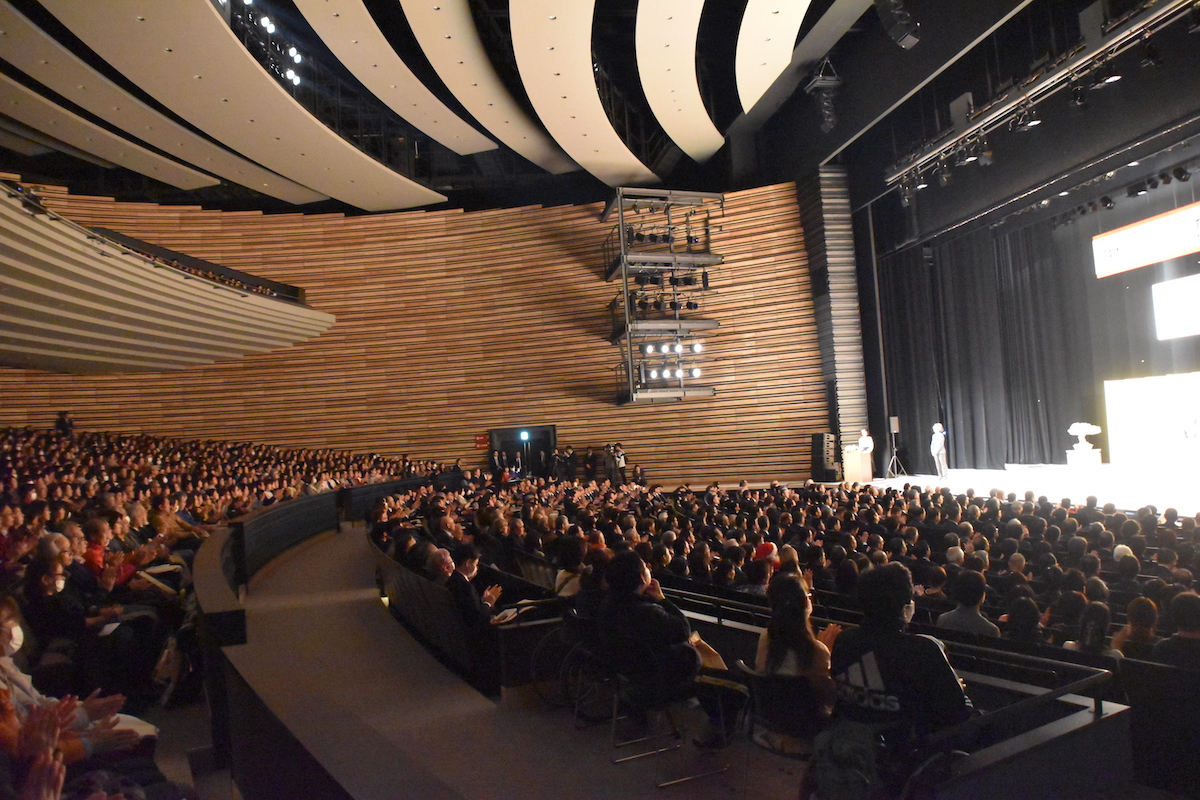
column 788, row 705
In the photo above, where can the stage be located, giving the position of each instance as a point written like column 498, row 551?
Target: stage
column 1127, row 490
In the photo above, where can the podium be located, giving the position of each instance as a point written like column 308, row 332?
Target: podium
column 856, row 465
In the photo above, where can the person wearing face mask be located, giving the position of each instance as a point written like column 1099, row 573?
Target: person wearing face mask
column 93, row 725
column 118, row 659
column 898, row 683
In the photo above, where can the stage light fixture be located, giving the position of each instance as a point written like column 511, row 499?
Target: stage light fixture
column 1107, row 202
column 695, row 372
column 1164, row 178
column 943, row 172
column 1181, row 174
column 1104, row 75
column 1132, row 191
column 649, row 349
column 920, row 182
column 972, row 151
column 297, row 58
column 1150, row 57
column 678, row 347
column 653, row 374
column 658, row 305
column 679, row 373
column 643, row 305
column 1152, row 183
column 704, row 275
column 692, row 305
column 676, row 305
column 264, row 21
column 1079, row 96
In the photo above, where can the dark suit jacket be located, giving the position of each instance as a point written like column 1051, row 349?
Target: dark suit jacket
column 474, row 612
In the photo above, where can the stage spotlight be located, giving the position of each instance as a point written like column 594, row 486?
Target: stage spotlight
column 692, row 305
column 1032, row 119
column 704, row 275
column 652, row 238
column 695, row 372
column 697, row 347
column 678, row 347
column 943, row 173
column 639, row 237
column 1079, row 96
column 1132, row 191
column 920, row 182
column 676, row 305
column 1181, row 174
column 295, row 80
column 1105, row 75
column 265, row 21
column 972, row 152
column 1107, row 202
column 986, row 156
column 653, row 374
column 658, row 305
column 688, row 280
column 1150, row 57
column 296, row 57
column 643, row 305
column 674, row 280
column 1152, row 183
column 292, row 51
column 1164, row 178
column 649, row 349
column 679, row 373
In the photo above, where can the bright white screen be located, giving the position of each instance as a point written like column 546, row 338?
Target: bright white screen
column 1175, row 307
column 1154, row 424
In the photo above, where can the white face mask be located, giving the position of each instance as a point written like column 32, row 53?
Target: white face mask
column 60, row 583
column 15, row 640
column 909, row 610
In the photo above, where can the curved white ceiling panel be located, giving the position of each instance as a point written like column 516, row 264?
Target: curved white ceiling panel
column 765, row 42
column 30, row 108
column 31, row 50
column 666, row 59
column 351, row 34
column 552, row 41
column 184, row 56
column 447, row 34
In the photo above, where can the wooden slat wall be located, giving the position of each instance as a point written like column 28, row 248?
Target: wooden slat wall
column 450, row 323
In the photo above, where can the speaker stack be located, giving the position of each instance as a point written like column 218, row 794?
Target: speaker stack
column 824, row 455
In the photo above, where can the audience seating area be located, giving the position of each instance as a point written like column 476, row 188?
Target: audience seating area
column 705, row 547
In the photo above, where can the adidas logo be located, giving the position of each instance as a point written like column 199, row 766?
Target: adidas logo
column 861, row 684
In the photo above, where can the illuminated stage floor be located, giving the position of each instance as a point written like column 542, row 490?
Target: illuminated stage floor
column 1126, row 490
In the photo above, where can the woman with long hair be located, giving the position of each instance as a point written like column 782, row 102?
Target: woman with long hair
column 1137, row 638
column 1093, row 632
column 789, row 646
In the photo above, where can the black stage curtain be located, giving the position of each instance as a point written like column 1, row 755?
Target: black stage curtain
column 987, row 333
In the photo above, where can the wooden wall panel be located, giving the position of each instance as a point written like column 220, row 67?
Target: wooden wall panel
column 450, row 323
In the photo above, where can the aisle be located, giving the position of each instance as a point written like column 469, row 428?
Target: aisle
column 388, row 721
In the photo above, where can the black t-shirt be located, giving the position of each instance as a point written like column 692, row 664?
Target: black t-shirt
column 897, row 682
column 1178, row 651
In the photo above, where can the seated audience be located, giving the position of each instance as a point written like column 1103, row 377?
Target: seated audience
column 1182, row 648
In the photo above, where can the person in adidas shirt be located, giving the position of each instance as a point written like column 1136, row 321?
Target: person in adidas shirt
column 899, row 683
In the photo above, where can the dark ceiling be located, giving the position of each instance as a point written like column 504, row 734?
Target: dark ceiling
column 891, row 102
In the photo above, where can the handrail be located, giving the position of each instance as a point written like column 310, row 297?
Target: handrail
column 1097, row 677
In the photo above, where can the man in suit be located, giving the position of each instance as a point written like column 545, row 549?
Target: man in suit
column 476, row 610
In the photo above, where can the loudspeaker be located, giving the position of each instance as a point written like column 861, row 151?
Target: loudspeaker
column 824, row 455
column 895, row 424
column 898, row 23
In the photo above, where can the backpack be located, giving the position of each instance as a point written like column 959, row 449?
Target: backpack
column 844, row 763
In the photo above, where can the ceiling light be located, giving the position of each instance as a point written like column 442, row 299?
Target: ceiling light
column 653, row 374
column 649, row 349
column 695, row 372
column 697, row 347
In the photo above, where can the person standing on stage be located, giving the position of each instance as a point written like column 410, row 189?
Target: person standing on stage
column 937, row 449
column 865, row 443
